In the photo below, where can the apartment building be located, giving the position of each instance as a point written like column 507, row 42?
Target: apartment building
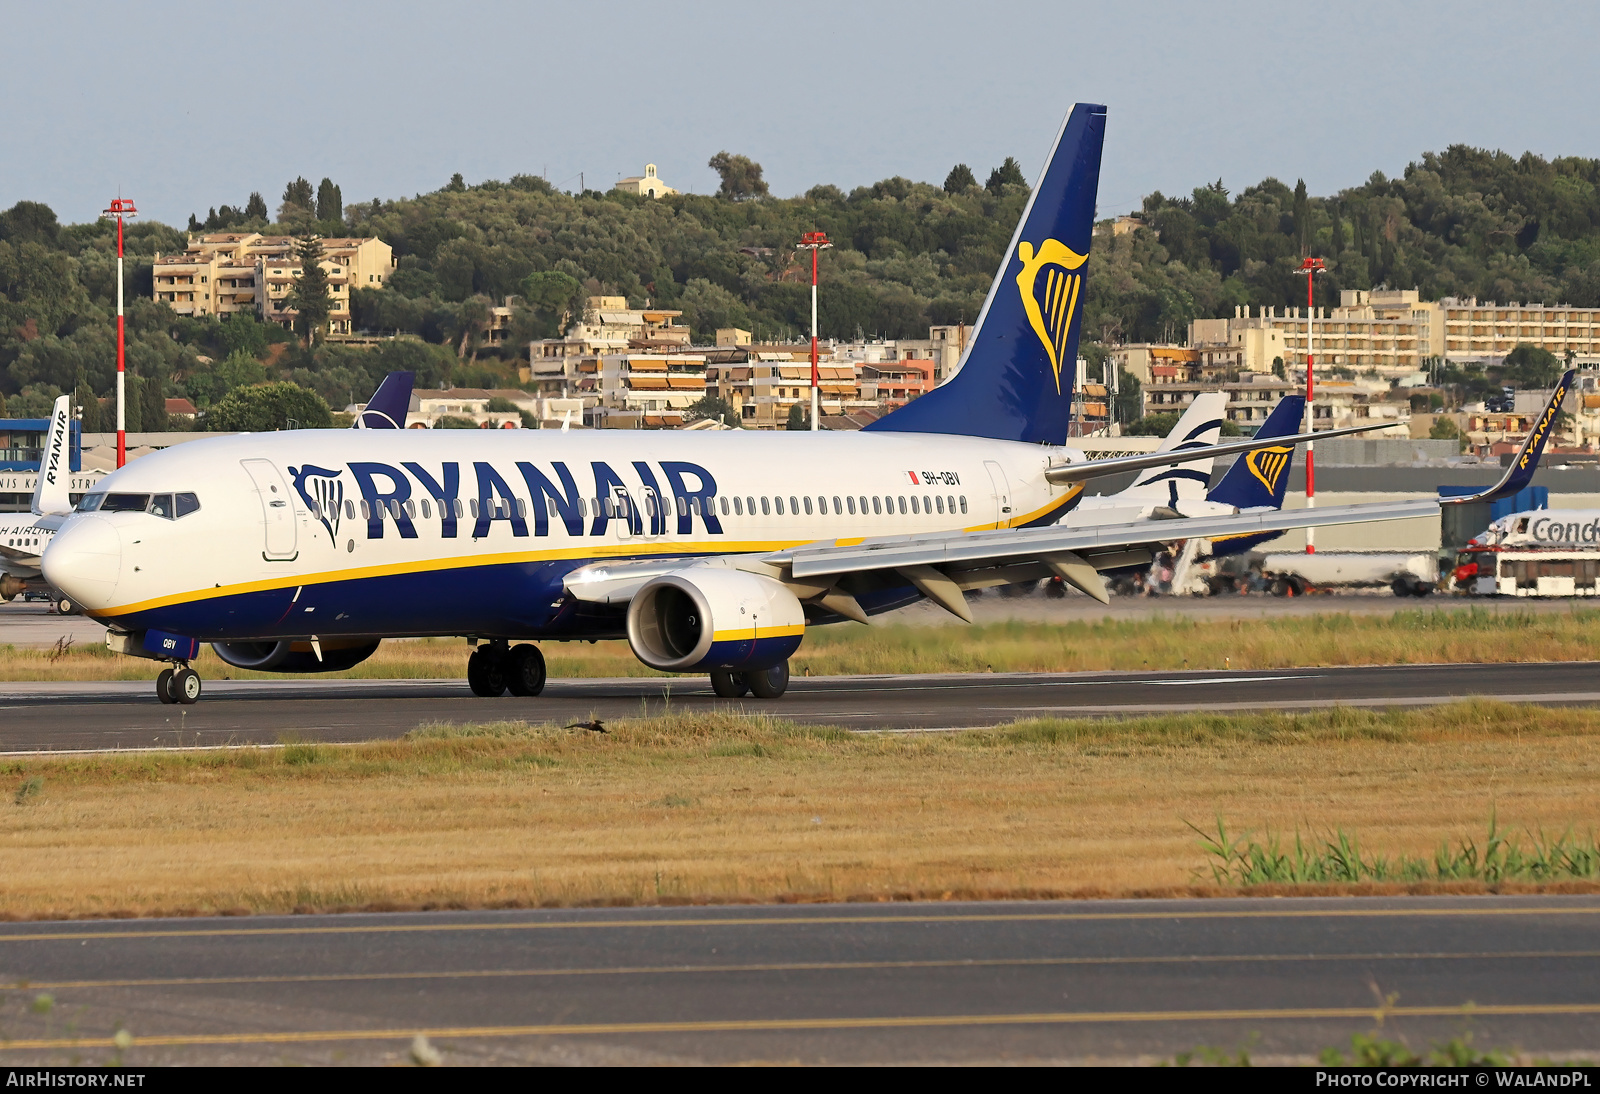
column 1395, row 333
column 609, row 326
column 230, row 272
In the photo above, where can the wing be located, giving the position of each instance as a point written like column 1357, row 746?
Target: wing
column 16, row 561
column 943, row 567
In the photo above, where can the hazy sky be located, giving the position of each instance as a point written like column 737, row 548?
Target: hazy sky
column 183, row 106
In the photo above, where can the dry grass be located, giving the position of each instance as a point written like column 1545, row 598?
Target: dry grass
column 1465, row 635
column 726, row 808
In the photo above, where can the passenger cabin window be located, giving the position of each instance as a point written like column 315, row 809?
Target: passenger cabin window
column 794, row 505
column 851, row 502
column 837, row 507
column 724, row 505
column 350, row 509
column 750, row 505
column 877, row 504
column 765, row 511
column 963, row 503
column 778, row 504
column 808, row 505
column 125, row 503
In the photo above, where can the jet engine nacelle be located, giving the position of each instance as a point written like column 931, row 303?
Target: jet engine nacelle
column 706, row 618
column 294, row 656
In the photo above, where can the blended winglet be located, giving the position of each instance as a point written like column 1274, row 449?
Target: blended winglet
column 51, row 493
column 1520, row 473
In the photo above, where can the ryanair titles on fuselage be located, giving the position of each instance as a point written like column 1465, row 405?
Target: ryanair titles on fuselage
column 410, row 492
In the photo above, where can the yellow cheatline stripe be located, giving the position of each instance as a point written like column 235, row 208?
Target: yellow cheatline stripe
column 747, row 633
column 784, row 1025
column 799, row 920
column 797, row 966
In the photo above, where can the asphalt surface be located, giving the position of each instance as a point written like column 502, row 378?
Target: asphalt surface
column 1110, row 981
column 126, row 714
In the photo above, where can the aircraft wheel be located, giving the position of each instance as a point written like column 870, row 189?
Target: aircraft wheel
column 66, row 606
column 164, row 686
column 524, row 670
column 770, row 683
column 730, row 685
column 486, row 674
column 1401, row 586
column 185, row 686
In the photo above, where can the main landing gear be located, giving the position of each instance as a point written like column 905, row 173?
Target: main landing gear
column 179, row 685
column 494, row 669
column 763, row 684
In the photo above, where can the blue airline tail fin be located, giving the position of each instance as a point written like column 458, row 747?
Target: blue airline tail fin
column 1260, row 478
column 1017, row 378
column 389, row 405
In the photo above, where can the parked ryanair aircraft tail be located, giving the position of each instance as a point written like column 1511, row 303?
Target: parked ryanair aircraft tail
column 1016, row 382
column 1259, row 479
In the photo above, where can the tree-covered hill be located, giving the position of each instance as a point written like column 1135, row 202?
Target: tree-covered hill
column 907, row 255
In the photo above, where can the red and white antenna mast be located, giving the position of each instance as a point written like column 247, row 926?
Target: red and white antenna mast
column 814, row 242
column 121, row 209
column 1311, row 267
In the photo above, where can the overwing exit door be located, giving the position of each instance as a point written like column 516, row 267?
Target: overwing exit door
column 1002, row 493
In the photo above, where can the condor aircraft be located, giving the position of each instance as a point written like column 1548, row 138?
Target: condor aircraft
column 709, row 552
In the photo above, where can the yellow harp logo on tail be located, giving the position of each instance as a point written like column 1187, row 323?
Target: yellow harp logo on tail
column 1051, row 300
column 1267, row 465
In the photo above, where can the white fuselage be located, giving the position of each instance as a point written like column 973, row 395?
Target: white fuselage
column 350, row 524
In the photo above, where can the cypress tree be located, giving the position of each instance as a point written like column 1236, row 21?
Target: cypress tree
column 309, row 297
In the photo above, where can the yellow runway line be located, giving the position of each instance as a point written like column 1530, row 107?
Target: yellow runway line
column 795, row 966
column 787, row 1025
column 829, row 920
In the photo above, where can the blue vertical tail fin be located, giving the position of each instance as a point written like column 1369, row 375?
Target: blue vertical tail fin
column 1016, row 382
column 1259, row 479
column 389, row 405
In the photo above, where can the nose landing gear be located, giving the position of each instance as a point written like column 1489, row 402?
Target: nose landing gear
column 494, row 669
column 180, row 685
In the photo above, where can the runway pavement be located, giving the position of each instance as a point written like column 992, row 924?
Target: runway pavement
column 122, row 715
column 1113, row 981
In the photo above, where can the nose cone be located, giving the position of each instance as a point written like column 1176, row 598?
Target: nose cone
column 85, row 561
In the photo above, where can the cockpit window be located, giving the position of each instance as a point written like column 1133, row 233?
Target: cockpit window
column 161, row 506
column 90, row 502
column 125, row 503
column 187, row 503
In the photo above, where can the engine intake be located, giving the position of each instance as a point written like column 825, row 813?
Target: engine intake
column 705, row 618
column 295, row 656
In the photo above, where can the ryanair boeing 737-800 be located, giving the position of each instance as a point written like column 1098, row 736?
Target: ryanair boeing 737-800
column 709, row 552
